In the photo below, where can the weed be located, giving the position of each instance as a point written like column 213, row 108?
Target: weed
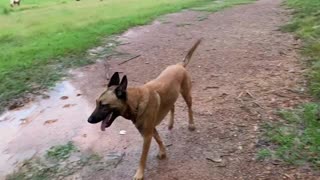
column 263, row 154
column 61, row 152
column 33, row 169
column 59, row 162
column 202, row 18
column 297, row 139
column 306, row 25
column 214, row 6
column 6, row 11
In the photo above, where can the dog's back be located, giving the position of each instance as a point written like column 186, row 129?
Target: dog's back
column 171, row 82
column 173, row 75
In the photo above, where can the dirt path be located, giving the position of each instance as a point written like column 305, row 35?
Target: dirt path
column 243, row 71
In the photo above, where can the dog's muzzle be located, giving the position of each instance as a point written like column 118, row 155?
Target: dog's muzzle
column 90, row 120
column 105, row 122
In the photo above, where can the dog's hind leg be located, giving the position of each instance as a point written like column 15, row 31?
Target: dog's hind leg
column 171, row 118
column 188, row 100
column 186, row 94
column 162, row 150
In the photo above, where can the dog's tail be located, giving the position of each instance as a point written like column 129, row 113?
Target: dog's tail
column 186, row 59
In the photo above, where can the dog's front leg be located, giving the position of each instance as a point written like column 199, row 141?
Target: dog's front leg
column 146, row 145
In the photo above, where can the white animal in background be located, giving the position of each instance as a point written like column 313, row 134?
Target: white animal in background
column 14, row 2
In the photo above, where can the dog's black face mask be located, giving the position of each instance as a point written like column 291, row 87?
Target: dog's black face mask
column 110, row 103
column 103, row 113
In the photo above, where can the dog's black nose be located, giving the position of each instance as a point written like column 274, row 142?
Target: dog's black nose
column 90, row 119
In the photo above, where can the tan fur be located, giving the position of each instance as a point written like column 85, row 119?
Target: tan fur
column 147, row 105
column 108, row 97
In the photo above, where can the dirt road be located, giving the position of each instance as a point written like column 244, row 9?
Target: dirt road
column 244, row 70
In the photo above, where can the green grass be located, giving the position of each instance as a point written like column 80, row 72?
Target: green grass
column 297, row 139
column 40, row 39
column 221, row 4
column 61, row 152
column 306, row 25
column 56, row 164
column 263, row 154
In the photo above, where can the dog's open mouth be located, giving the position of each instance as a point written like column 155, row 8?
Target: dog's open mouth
column 108, row 120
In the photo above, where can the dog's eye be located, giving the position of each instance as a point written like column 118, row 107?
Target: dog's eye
column 104, row 106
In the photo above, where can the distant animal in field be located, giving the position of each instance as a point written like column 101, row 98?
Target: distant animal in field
column 14, row 2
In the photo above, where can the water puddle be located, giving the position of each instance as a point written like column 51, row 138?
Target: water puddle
column 41, row 124
column 57, row 119
column 62, row 116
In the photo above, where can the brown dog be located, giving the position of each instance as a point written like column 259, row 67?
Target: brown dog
column 146, row 105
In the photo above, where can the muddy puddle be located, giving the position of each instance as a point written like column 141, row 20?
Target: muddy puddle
column 61, row 116
column 41, row 124
column 55, row 119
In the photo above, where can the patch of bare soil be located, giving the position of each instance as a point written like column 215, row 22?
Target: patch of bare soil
column 244, row 71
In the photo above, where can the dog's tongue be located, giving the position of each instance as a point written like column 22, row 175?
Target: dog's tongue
column 105, row 122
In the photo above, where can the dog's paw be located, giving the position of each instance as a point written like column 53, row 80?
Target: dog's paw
column 170, row 127
column 161, row 155
column 138, row 175
column 192, row 127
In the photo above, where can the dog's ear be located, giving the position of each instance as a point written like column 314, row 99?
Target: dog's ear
column 121, row 90
column 115, row 79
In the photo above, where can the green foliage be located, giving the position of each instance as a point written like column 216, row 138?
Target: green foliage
column 297, row 140
column 59, row 162
column 41, row 38
column 263, row 154
column 61, row 152
column 5, row 10
column 33, row 169
column 214, row 6
column 306, row 25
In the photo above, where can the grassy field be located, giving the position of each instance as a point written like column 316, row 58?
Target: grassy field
column 306, row 25
column 38, row 38
column 218, row 5
column 296, row 140
column 41, row 38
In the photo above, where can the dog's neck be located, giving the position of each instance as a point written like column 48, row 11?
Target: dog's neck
column 131, row 110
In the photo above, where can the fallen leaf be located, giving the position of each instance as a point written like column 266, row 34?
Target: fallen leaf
column 68, row 105
column 78, row 93
column 216, row 160
column 64, row 97
column 50, row 121
column 15, row 105
column 45, row 96
column 211, row 87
